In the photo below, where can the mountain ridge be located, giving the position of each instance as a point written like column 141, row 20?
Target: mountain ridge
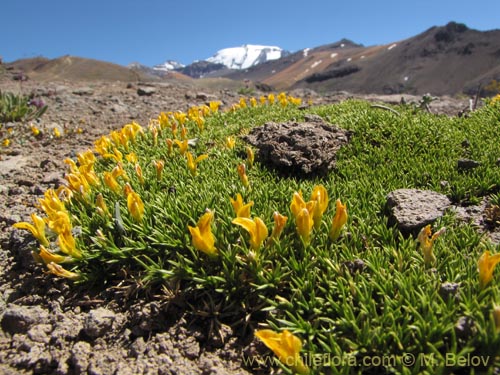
column 443, row 60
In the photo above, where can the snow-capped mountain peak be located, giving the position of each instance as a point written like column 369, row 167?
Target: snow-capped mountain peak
column 168, row 65
column 246, row 56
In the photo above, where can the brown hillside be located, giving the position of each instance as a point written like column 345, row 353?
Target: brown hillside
column 76, row 68
column 442, row 60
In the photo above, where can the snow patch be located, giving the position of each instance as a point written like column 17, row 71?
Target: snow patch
column 316, row 63
column 391, row 46
column 305, row 52
column 334, row 55
column 168, row 66
column 349, row 59
column 246, row 56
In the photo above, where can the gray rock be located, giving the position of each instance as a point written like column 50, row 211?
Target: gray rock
column 19, row 319
column 412, row 209
column 118, row 108
column 84, row 91
column 466, row 164
column 205, row 97
column 53, row 178
column 80, row 354
column 40, row 333
column 305, row 149
column 146, row 91
column 450, row 290
column 98, row 322
column 138, row 347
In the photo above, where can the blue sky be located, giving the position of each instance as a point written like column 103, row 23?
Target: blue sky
column 150, row 32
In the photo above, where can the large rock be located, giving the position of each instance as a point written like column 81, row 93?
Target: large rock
column 412, row 209
column 303, row 149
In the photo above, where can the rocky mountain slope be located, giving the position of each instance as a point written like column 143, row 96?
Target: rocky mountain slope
column 446, row 60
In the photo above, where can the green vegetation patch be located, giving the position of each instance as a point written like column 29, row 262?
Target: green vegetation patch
column 183, row 204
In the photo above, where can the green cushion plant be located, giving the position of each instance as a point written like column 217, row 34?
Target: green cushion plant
column 182, row 204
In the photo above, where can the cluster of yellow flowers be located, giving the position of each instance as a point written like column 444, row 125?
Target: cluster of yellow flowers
column 82, row 181
column 59, row 223
column 282, row 98
column 307, row 215
column 37, row 133
column 485, row 265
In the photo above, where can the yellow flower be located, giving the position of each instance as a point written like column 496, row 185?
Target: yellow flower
column 339, row 220
column 35, row 130
column 127, row 189
column 101, row 206
column 37, row 230
column 426, row 240
column 170, row 145
column 102, row 145
column 230, row 142
column 57, row 270
column 159, row 165
column 240, row 208
column 253, row 102
column 131, row 158
column 180, row 117
column 193, row 163
column 250, row 157
column 214, row 106
column 138, row 172
column 116, row 155
column 51, row 204
column 77, row 183
column 297, row 204
column 6, row 142
column 59, row 222
column 118, row 171
column 486, row 265
column 202, row 236
column 184, row 132
column 183, row 145
column 111, row 182
column 243, row 103
column 47, row 256
column 86, row 158
column 286, row 347
column 320, row 195
column 304, row 222
column 243, row 175
column 135, row 206
column 57, row 132
column 271, row 98
column 67, row 244
column 163, row 120
column 88, row 174
column 495, row 99
column 72, row 165
column 256, row 228
column 200, row 122
column 279, row 225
